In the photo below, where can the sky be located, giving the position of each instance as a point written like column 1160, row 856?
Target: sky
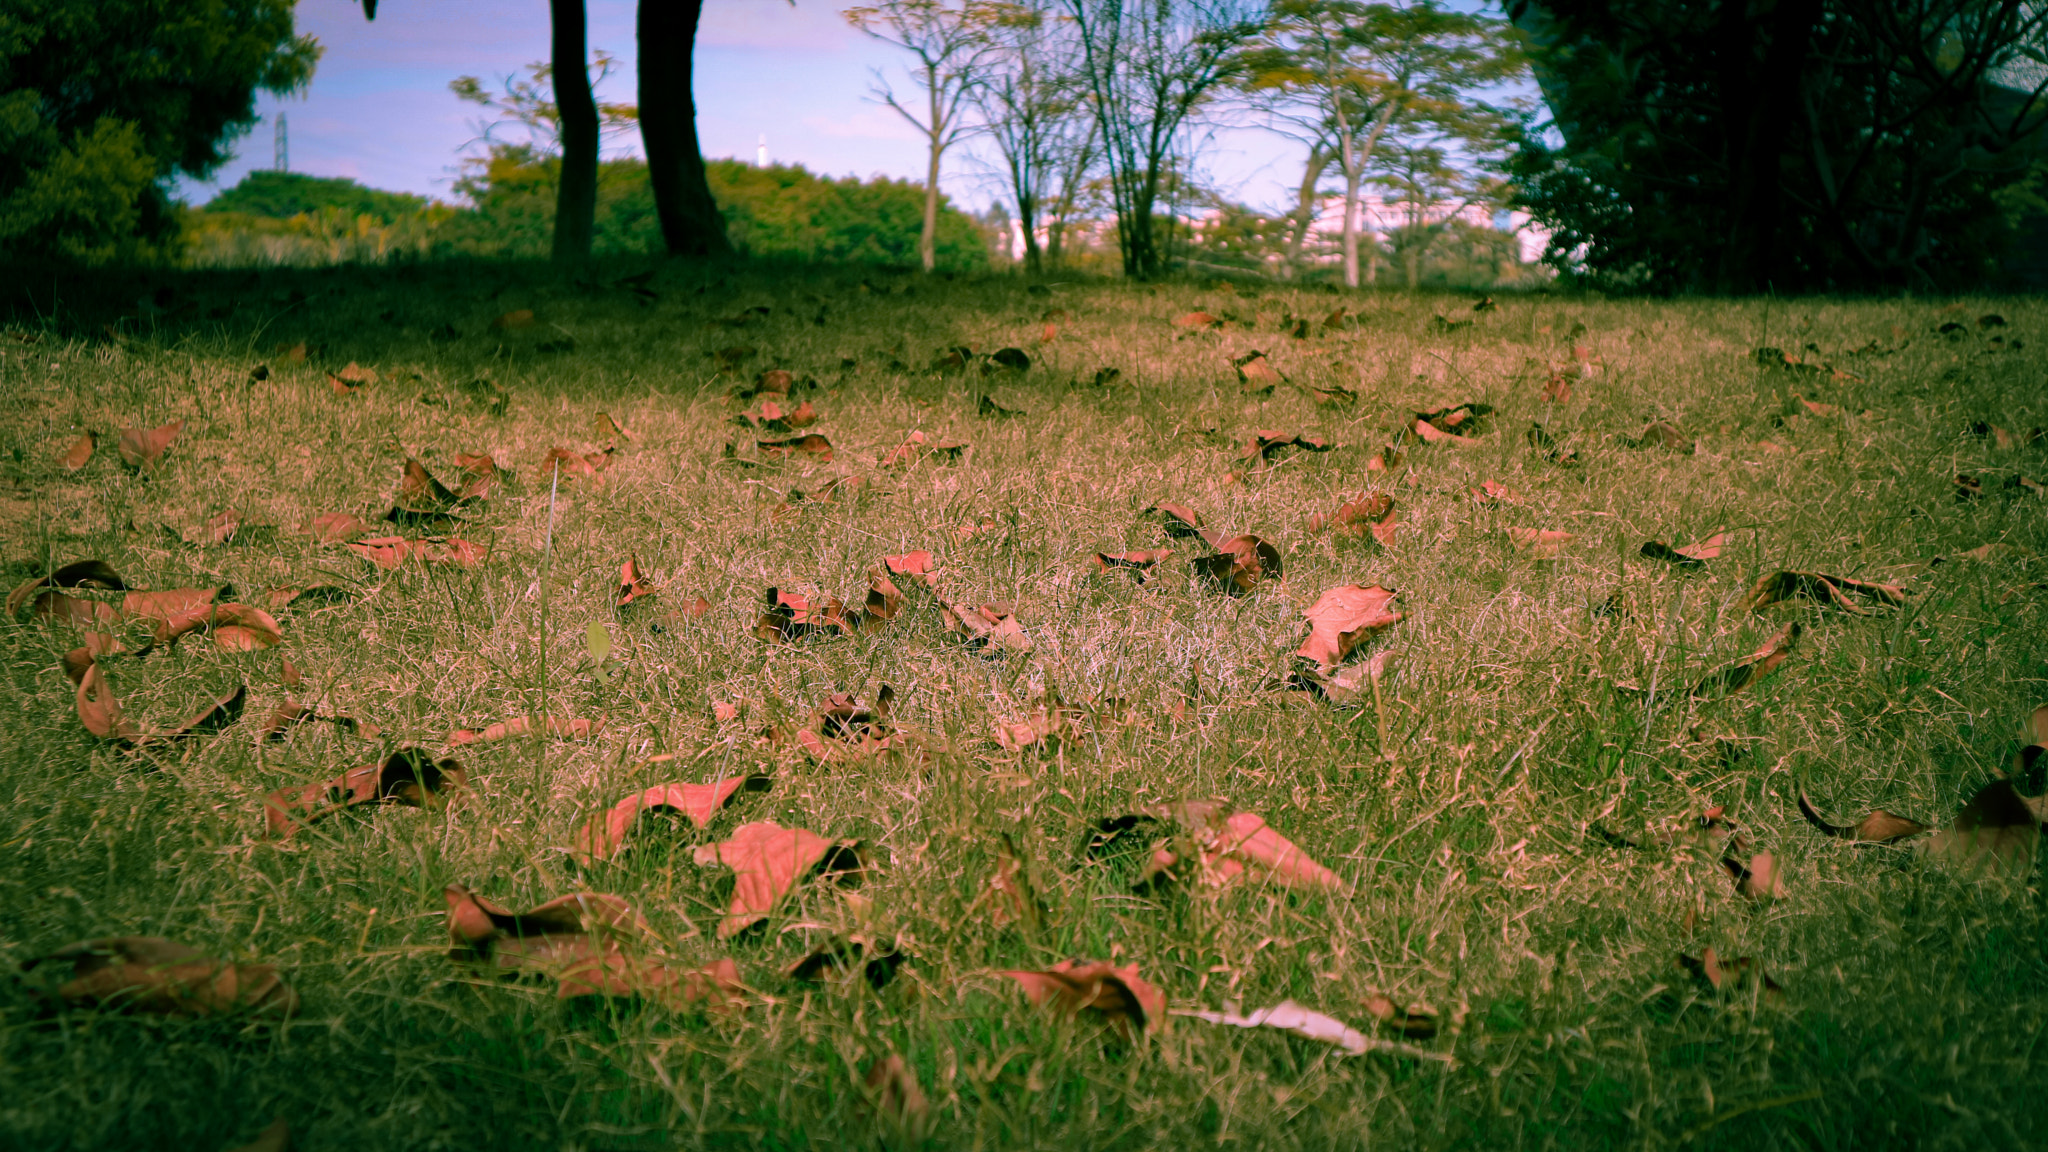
column 379, row 110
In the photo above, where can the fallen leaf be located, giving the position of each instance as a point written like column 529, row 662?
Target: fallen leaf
column 1408, row 1022
column 1557, row 386
column 606, row 429
column 1837, row 591
column 99, row 711
column 1097, row 986
column 1245, row 842
column 566, row 729
column 967, row 532
column 334, row 527
column 1256, row 373
column 875, row 961
column 1662, row 433
column 1725, row 976
column 987, row 626
column 1042, row 728
column 895, row 1093
column 80, row 451
column 1761, row 663
column 1431, row 434
column 604, row 836
column 1819, row 409
column 1368, row 515
column 517, row 318
column 589, row 465
column 592, row 943
column 407, row 777
column 1266, row 442
column 769, row 860
column 1461, row 419
column 140, row 447
column 790, row 617
column 1341, row 618
column 1542, row 543
column 1492, row 492
column 840, row 729
column 1997, row 826
column 391, row 552
column 915, row 565
column 1760, row 879
column 988, row 408
column 1178, row 520
column 1333, row 395
column 1139, row 563
column 630, row 587
column 1552, row 451
column 1008, row 897
column 152, row 974
column 917, row 447
column 1880, row 827
column 1691, row 556
column 78, row 574
column 234, row 627
column 1197, row 321
column 1239, row 564
column 418, row 491
column 1287, row 1016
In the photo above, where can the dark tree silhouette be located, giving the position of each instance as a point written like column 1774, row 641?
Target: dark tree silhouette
column 691, row 224
column 576, row 191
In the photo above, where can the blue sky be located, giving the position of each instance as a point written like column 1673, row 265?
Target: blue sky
column 379, row 110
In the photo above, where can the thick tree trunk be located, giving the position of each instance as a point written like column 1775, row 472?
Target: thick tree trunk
column 1760, row 108
column 1305, row 208
column 691, row 224
column 1027, row 222
column 576, row 192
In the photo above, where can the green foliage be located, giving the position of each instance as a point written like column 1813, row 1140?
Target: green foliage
column 282, row 195
column 102, row 102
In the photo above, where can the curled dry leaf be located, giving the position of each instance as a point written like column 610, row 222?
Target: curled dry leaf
column 1690, row 556
column 773, row 417
column 234, row 627
column 418, row 491
column 813, row 445
column 895, row 1094
column 914, row 565
column 479, row 477
column 1341, row 618
column 563, row 727
column 917, row 447
column 78, row 574
column 874, row 960
column 561, row 462
column 391, row 552
column 1198, row 321
column 1244, row 842
column 80, row 452
column 1761, row 663
column 1333, row 395
column 630, row 587
column 140, row 447
column 1239, row 564
column 592, row 943
column 152, row 974
column 1266, row 441
column 841, row 729
column 990, row 627
column 1098, row 987
column 1429, row 433
column 1760, row 879
column 1370, row 515
column 604, row 837
column 1663, row 434
column 101, row 714
column 1287, row 1016
column 1257, row 373
column 1139, row 563
column 1458, row 419
column 335, row 527
column 1542, row 543
column 1043, row 727
column 1880, row 827
column 790, row 617
column 1836, row 591
column 1493, row 492
column 220, row 529
column 1411, row 1021
column 407, row 777
column 1732, row 975
column 769, row 860
column 1178, row 520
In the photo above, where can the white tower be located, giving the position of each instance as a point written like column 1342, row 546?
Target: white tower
column 761, row 153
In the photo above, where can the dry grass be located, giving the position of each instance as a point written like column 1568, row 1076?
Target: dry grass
column 1916, row 999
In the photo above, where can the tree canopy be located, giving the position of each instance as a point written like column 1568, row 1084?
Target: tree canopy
column 282, row 195
column 102, row 102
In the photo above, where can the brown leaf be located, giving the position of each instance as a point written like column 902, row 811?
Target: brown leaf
column 630, row 587
column 80, row 451
column 840, row 729
column 895, row 1091
column 1996, row 827
column 1008, row 897
column 811, row 445
column 1239, row 564
column 566, row 729
column 1256, row 373
column 407, row 777
column 769, row 861
column 1140, row 562
column 1761, row 663
column 1836, row 591
column 1371, row 514
column 1663, row 433
column 1099, row 987
column 78, row 574
column 479, row 477
column 986, row 626
column 916, row 565
column 419, row 491
column 517, row 318
column 790, row 617
column 1341, row 618
column 1245, row 842
column 99, row 711
column 1691, row 556
column 1819, row 409
column 1731, row 975
column 1408, row 1022
column 234, row 627
column 390, row 552
column 152, row 974
column 1431, row 434
column 1462, row 419
column 603, row 837
column 1266, row 442
column 917, row 447
column 592, row 943
column 1198, row 321
column 1492, row 492
column 1760, row 879
column 1539, row 542
column 1880, row 827
column 874, row 960
column 1041, row 728
column 562, row 462
column 334, row 527
column 144, row 446
column 1177, row 519
column 1557, row 387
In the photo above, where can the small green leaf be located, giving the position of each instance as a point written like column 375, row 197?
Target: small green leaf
column 598, row 641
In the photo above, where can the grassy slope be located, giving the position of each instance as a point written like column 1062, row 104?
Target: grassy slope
column 1917, row 1000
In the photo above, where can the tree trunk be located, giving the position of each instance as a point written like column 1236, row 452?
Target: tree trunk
column 928, row 240
column 1027, row 222
column 1762, row 108
column 576, row 193
column 1305, row 207
column 691, row 224
column 1352, row 173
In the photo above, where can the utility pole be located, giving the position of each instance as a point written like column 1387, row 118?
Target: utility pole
column 282, row 150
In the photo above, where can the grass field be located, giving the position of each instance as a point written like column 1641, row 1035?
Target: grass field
column 1529, row 701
